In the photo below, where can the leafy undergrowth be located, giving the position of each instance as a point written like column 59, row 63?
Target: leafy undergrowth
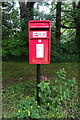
column 19, row 81
column 14, row 93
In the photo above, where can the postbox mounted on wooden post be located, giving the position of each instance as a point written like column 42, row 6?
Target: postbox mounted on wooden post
column 39, row 41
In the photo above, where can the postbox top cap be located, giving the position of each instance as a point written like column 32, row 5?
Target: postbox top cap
column 39, row 20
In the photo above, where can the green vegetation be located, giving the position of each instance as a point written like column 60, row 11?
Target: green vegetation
column 15, row 30
column 65, row 52
column 17, row 88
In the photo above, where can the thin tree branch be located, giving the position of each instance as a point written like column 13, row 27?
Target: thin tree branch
column 63, row 31
column 71, row 35
column 62, row 26
column 66, row 10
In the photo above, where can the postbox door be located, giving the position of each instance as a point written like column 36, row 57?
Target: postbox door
column 39, row 51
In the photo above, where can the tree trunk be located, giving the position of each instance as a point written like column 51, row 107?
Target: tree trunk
column 26, row 10
column 23, row 7
column 58, row 22
column 78, row 30
column 26, row 13
column 77, row 23
column 30, row 6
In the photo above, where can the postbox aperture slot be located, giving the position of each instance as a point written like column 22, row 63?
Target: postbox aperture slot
column 39, row 29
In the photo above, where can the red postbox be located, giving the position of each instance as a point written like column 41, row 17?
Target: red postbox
column 39, row 41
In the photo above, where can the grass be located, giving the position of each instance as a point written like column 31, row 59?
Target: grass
column 19, row 80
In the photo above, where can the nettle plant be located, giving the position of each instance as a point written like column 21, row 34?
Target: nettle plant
column 62, row 98
column 65, row 95
column 45, row 92
column 58, row 101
